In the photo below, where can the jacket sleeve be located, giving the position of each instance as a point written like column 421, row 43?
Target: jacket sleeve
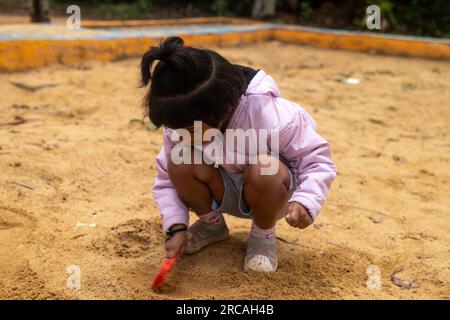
column 173, row 209
column 309, row 155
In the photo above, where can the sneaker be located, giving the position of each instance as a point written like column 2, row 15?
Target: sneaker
column 261, row 255
column 202, row 235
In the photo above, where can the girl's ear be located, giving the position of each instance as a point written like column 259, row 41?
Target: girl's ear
column 146, row 64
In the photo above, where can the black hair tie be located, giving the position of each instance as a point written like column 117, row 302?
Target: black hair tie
column 171, row 232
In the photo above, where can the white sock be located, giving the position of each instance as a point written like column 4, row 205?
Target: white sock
column 212, row 217
column 268, row 234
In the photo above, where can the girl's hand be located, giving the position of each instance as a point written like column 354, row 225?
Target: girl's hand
column 176, row 244
column 297, row 216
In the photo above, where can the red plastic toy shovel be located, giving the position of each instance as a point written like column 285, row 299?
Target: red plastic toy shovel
column 164, row 269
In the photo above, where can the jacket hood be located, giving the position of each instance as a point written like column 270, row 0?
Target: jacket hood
column 262, row 84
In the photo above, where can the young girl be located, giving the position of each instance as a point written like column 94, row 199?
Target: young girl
column 190, row 84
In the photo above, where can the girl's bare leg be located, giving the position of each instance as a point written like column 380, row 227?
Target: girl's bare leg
column 197, row 185
column 266, row 195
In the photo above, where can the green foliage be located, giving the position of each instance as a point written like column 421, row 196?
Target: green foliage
column 127, row 10
column 416, row 17
column 424, row 17
column 230, row 7
column 109, row 9
column 305, row 9
column 387, row 10
column 220, row 7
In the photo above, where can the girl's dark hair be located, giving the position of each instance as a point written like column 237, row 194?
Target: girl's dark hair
column 189, row 84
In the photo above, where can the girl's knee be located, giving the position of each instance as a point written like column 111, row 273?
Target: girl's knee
column 201, row 172
column 184, row 169
column 266, row 174
column 179, row 170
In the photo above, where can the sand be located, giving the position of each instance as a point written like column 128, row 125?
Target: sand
column 77, row 159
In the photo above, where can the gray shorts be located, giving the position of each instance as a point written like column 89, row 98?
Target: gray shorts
column 233, row 201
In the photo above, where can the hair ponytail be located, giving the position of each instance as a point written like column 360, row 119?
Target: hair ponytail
column 170, row 51
column 146, row 65
column 189, row 84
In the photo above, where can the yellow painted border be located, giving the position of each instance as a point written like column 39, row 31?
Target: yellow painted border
column 29, row 54
column 367, row 43
column 23, row 55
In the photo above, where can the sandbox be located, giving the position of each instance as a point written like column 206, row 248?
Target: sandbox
column 76, row 177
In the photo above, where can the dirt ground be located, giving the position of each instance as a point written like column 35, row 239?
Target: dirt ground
column 68, row 155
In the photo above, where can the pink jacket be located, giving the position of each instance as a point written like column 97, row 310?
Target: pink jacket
column 261, row 107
